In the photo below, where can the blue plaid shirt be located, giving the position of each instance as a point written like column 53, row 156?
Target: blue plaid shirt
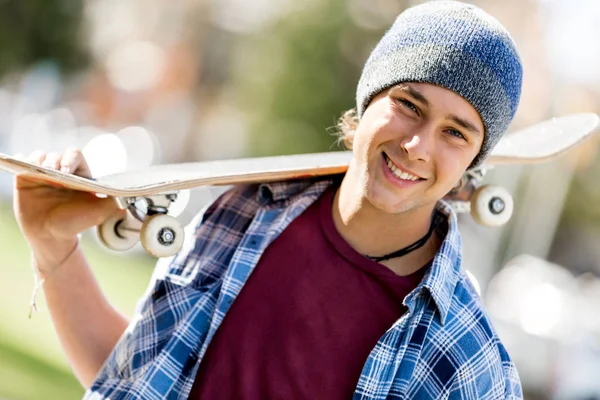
column 443, row 347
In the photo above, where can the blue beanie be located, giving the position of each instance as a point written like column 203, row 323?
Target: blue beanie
column 456, row 46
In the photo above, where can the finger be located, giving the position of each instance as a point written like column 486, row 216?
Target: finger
column 36, row 157
column 73, row 162
column 104, row 209
column 70, row 161
column 52, row 160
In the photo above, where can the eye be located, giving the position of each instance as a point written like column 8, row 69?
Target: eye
column 409, row 105
column 456, row 133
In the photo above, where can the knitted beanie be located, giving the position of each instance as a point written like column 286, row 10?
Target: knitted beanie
column 456, row 46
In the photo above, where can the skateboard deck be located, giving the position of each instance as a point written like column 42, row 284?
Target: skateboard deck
column 539, row 143
column 544, row 141
column 162, row 235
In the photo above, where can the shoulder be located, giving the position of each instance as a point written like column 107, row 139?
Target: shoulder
column 219, row 227
column 222, row 221
column 464, row 357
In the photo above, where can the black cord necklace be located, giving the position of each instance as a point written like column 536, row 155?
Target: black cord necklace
column 402, row 252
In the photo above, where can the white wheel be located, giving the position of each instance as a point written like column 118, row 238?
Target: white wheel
column 118, row 233
column 162, row 235
column 491, row 206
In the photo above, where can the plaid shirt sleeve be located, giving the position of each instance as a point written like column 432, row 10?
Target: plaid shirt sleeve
column 513, row 382
column 161, row 268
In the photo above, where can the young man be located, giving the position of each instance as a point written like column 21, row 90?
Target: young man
column 337, row 288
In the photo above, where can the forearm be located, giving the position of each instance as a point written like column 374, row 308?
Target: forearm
column 87, row 325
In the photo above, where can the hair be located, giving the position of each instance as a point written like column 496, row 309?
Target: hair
column 345, row 128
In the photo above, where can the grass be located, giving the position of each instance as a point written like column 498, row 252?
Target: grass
column 32, row 365
column 26, row 376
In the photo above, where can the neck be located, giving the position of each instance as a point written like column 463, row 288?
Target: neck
column 373, row 232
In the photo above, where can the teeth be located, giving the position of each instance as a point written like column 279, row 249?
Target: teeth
column 398, row 172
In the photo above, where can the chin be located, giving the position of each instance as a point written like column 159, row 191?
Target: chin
column 388, row 202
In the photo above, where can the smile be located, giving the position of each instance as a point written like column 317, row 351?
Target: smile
column 398, row 172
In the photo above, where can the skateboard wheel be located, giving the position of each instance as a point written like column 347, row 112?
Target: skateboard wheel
column 491, row 206
column 113, row 235
column 162, row 235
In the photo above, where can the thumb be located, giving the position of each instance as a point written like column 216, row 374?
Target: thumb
column 83, row 213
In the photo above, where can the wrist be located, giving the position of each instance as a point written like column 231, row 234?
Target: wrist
column 46, row 261
column 41, row 272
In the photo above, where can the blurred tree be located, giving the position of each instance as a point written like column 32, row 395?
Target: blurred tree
column 297, row 76
column 41, row 30
column 582, row 206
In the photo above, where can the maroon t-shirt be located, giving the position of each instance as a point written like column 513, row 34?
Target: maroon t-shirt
column 306, row 320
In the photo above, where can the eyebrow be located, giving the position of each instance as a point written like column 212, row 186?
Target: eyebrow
column 414, row 93
column 465, row 124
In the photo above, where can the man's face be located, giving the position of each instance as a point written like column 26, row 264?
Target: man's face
column 412, row 145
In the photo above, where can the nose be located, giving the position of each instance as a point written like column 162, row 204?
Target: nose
column 418, row 146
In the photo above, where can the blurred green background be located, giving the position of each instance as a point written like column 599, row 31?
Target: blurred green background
column 138, row 83
column 32, row 365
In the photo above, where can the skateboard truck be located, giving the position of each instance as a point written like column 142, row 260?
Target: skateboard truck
column 489, row 205
column 160, row 234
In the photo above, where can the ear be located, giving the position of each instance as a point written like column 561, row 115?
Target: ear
column 456, row 188
column 462, row 190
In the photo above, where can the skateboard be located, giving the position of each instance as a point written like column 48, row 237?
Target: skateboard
column 147, row 194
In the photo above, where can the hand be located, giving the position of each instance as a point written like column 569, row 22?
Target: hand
column 51, row 217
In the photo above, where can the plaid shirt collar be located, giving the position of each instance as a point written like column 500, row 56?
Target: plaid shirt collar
column 441, row 279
